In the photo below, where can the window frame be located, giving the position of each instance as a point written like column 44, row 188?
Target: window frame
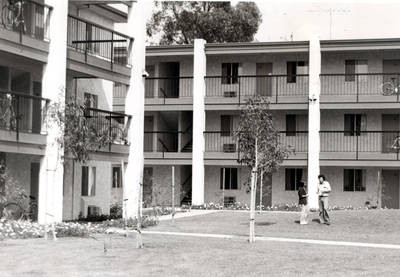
column 298, row 176
column 350, row 178
column 119, row 177
column 233, row 174
column 354, row 124
column 224, row 132
column 230, row 73
column 88, row 189
column 291, row 125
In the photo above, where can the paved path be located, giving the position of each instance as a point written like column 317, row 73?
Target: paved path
column 187, row 214
column 307, row 241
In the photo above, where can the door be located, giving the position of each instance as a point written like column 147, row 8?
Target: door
column 34, row 188
column 169, row 85
column 390, row 128
column 264, row 82
column 390, row 189
column 148, row 135
column 37, row 108
column 391, row 66
column 266, row 191
column 148, row 186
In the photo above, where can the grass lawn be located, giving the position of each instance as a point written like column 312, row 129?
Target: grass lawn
column 188, row 256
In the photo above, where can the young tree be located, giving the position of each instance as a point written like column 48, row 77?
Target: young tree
column 259, row 145
column 181, row 22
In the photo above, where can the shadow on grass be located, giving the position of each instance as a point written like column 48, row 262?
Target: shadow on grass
column 260, row 223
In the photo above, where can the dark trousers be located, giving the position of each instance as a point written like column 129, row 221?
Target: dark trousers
column 323, row 213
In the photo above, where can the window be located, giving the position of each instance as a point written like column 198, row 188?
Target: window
column 231, row 178
column 354, row 67
column 292, row 177
column 88, row 181
column 230, row 73
column 91, row 100
column 116, row 177
column 353, row 180
column 354, row 124
column 290, row 125
column 226, row 125
column 294, row 69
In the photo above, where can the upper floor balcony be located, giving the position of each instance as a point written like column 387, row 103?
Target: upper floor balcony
column 235, row 90
column 360, row 145
column 223, row 145
column 26, row 23
column 98, row 46
column 168, row 144
column 358, row 88
column 169, row 90
column 113, row 125
column 22, row 118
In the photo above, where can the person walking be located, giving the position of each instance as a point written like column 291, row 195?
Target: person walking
column 303, row 203
column 324, row 188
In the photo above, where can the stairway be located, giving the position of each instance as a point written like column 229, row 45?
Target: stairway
column 187, row 199
column 188, row 146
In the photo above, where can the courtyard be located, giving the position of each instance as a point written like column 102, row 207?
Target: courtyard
column 169, row 253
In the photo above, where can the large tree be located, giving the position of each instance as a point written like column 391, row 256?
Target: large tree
column 260, row 146
column 182, row 22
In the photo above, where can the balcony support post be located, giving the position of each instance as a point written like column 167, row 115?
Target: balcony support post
column 314, row 122
column 51, row 176
column 134, row 106
column 199, row 121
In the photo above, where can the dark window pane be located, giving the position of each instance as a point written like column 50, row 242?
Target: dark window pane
column 290, row 125
column 348, row 180
column 225, row 74
column 227, row 178
column 359, row 180
column 235, row 73
column 221, row 179
column 291, row 72
column 350, row 70
column 226, row 125
column 290, row 178
column 85, row 181
column 234, row 176
column 299, row 176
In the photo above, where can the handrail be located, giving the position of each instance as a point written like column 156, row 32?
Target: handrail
column 109, row 112
column 41, row 4
column 24, row 95
column 99, row 26
column 168, row 78
column 163, row 145
column 269, row 75
column 359, row 74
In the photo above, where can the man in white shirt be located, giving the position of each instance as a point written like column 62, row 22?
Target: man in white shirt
column 324, row 188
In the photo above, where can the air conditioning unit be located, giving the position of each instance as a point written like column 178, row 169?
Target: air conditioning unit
column 229, row 147
column 93, row 210
column 229, row 93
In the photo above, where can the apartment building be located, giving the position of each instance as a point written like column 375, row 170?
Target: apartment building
column 326, row 99
column 61, row 50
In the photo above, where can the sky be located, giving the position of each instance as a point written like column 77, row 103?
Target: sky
column 327, row 19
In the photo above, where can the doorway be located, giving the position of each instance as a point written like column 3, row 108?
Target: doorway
column 391, row 66
column 390, row 189
column 34, row 189
column 390, row 128
column 147, row 187
column 264, row 82
column 266, row 191
column 169, row 83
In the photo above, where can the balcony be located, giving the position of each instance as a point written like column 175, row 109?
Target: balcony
column 358, row 88
column 114, row 125
column 359, row 145
column 97, row 45
column 22, row 118
column 26, row 18
column 223, row 145
column 168, row 144
column 235, row 90
column 169, row 90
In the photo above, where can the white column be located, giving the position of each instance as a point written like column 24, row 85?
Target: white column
column 134, row 105
column 199, row 121
column 314, row 121
column 53, row 87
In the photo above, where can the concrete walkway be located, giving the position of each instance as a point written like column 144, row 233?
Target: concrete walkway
column 291, row 240
column 187, row 214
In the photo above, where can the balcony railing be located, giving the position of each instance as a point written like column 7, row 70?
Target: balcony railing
column 279, row 87
column 114, row 125
column 22, row 113
column 361, row 142
column 168, row 141
column 26, row 17
column 168, row 87
column 361, row 86
column 225, row 142
column 95, row 40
